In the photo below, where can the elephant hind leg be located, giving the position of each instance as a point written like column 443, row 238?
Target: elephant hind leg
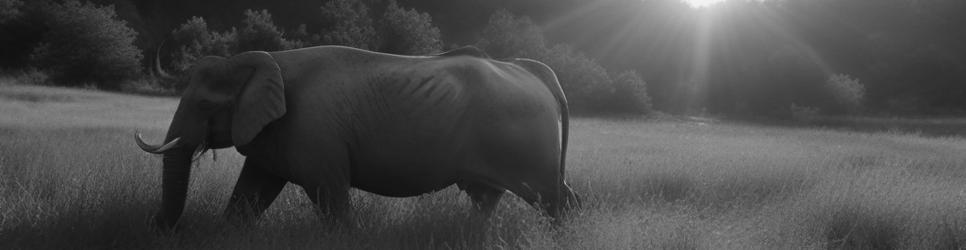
column 254, row 192
column 553, row 198
column 485, row 197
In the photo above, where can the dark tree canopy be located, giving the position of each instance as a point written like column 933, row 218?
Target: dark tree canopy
column 739, row 57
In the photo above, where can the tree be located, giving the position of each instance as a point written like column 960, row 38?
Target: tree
column 193, row 40
column 587, row 84
column 9, row 10
column 85, row 44
column 348, row 23
column 21, row 28
column 630, row 93
column 509, row 36
column 258, row 32
column 846, row 93
column 409, row 32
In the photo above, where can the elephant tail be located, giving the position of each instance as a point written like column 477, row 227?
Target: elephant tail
column 546, row 75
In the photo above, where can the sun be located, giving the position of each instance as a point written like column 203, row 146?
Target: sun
column 701, row 3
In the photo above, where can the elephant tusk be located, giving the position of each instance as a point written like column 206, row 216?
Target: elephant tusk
column 157, row 64
column 170, row 145
column 152, row 148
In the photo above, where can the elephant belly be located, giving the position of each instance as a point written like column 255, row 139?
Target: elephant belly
column 409, row 158
column 401, row 180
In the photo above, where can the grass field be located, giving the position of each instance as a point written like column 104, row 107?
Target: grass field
column 72, row 177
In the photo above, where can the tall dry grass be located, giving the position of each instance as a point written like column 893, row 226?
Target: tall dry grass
column 71, row 177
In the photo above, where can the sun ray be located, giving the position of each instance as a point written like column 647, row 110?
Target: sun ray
column 702, row 3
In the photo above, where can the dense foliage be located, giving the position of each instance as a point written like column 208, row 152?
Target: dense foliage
column 755, row 58
column 194, row 40
column 9, row 10
column 348, row 23
column 258, row 32
column 409, row 32
column 589, row 87
column 87, row 44
column 630, row 93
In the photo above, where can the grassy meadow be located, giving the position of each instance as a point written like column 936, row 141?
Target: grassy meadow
column 72, row 177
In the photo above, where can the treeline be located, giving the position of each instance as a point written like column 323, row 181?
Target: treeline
column 83, row 43
column 772, row 58
column 776, row 58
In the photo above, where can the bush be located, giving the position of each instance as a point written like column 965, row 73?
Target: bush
column 846, row 93
column 147, row 86
column 86, row 44
column 258, row 32
column 33, row 77
column 409, row 32
column 348, row 23
column 22, row 27
column 588, row 86
column 9, row 10
column 195, row 41
column 509, row 36
column 630, row 94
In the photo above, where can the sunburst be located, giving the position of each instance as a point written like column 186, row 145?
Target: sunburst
column 701, row 3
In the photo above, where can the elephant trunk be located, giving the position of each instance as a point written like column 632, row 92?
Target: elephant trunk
column 174, row 184
column 177, row 166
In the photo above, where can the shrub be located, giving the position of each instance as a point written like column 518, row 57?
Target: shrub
column 302, row 37
column 348, row 23
column 409, row 32
column 33, row 77
column 258, row 32
column 147, row 86
column 195, row 41
column 509, row 36
column 588, row 86
column 846, row 93
column 22, row 26
column 9, row 10
column 630, row 94
column 86, row 43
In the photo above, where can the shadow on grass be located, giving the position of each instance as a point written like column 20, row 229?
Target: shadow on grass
column 41, row 97
column 854, row 228
column 102, row 227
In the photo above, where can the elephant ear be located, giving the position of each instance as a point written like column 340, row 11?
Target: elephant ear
column 262, row 97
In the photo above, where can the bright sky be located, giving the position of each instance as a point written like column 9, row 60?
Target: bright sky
column 701, row 3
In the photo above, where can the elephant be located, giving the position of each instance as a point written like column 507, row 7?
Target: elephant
column 331, row 118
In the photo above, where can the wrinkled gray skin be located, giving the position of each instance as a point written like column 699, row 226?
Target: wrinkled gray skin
column 330, row 118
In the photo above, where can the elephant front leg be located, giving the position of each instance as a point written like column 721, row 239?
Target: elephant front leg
column 254, row 192
column 331, row 200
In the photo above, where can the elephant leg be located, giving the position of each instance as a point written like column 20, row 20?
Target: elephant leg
column 554, row 197
column 330, row 200
column 254, row 192
column 485, row 197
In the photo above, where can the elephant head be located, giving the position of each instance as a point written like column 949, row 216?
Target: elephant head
column 227, row 102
